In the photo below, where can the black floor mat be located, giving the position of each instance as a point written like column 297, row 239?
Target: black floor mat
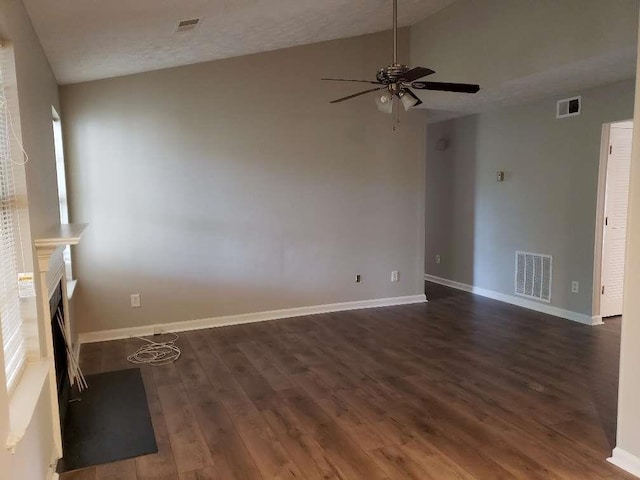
column 111, row 422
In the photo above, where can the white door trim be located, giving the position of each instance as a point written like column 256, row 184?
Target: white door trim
column 600, row 205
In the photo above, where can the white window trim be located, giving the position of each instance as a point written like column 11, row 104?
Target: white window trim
column 37, row 369
column 15, row 357
column 61, row 176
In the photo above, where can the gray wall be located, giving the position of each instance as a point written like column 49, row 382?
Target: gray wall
column 547, row 203
column 233, row 186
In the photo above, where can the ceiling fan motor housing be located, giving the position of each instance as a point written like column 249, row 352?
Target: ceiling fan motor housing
column 392, row 74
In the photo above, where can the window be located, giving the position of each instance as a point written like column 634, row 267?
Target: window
column 12, row 335
column 62, row 187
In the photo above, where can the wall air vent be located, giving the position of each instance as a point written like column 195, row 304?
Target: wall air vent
column 187, row 25
column 569, row 107
column 533, row 275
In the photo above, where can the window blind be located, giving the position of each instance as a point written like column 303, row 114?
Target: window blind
column 12, row 335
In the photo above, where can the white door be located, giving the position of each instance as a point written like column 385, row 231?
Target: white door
column 615, row 214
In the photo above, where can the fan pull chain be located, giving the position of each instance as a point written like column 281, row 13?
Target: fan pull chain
column 396, row 117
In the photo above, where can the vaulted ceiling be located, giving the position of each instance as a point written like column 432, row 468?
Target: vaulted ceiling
column 90, row 39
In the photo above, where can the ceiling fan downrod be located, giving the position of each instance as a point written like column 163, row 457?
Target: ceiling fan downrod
column 395, row 32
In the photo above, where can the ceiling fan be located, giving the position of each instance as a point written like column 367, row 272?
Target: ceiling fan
column 397, row 80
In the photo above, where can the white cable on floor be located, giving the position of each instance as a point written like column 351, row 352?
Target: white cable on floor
column 156, row 353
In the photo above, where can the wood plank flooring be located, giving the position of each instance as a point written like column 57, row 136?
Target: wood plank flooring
column 462, row 388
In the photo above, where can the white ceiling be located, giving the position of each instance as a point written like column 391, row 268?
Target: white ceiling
column 92, row 39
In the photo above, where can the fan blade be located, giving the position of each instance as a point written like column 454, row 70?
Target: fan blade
column 357, row 94
column 344, row 80
column 446, row 87
column 414, row 96
column 416, row 73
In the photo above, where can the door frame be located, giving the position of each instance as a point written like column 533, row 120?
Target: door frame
column 599, row 234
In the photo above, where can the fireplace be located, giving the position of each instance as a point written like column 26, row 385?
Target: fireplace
column 47, row 247
column 61, row 360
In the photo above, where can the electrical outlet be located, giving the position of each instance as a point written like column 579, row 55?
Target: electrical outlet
column 575, row 287
column 438, row 258
column 395, row 276
column 358, row 278
column 135, row 300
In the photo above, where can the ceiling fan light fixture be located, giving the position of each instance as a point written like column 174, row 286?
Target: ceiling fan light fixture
column 408, row 101
column 385, row 102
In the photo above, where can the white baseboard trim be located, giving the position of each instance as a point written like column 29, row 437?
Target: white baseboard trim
column 520, row 302
column 448, row 283
column 120, row 333
column 626, row 461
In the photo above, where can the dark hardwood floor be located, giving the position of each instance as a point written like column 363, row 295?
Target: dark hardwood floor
column 460, row 388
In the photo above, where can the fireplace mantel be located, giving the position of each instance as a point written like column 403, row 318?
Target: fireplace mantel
column 66, row 234
column 58, row 237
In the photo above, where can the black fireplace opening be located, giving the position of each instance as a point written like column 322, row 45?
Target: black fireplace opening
column 61, row 359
